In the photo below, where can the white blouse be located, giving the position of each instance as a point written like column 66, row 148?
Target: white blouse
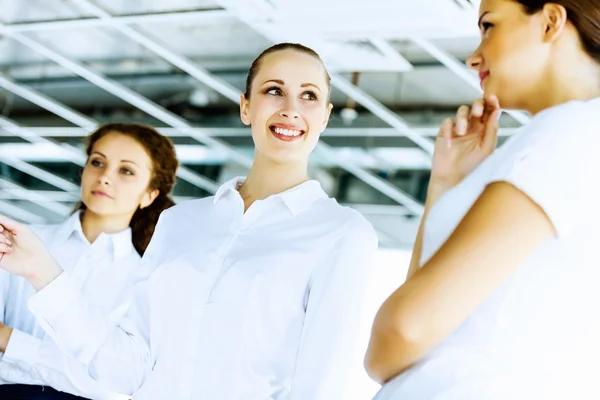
column 537, row 336
column 262, row 305
column 100, row 271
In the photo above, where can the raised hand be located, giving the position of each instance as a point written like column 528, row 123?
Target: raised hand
column 463, row 143
column 24, row 254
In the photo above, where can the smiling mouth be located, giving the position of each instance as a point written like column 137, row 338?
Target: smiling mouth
column 286, row 134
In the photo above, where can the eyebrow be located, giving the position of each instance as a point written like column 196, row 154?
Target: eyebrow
column 280, row 82
column 480, row 18
column 127, row 161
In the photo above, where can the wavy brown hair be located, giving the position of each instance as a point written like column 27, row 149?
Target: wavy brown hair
column 164, row 167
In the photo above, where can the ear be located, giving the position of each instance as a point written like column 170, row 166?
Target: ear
column 245, row 110
column 327, row 117
column 149, row 198
column 555, row 21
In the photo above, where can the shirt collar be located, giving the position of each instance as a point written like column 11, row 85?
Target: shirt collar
column 297, row 199
column 121, row 242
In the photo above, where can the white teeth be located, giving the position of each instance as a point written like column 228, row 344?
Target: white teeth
column 287, row 132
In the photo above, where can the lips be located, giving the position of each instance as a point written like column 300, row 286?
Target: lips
column 100, row 193
column 483, row 75
column 286, row 133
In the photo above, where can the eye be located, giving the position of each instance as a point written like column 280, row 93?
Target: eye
column 485, row 26
column 96, row 163
column 274, row 91
column 126, row 171
column 309, row 95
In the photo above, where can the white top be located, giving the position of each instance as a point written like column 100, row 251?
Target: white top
column 100, row 271
column 537, row 336
column 262, row 305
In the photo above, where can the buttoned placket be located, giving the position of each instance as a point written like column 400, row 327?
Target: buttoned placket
column 215, row 272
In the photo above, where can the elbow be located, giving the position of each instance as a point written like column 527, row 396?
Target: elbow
column 396, row 344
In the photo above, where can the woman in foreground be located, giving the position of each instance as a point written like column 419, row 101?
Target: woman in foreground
column 505, row 302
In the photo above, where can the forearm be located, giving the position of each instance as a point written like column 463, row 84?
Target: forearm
column 435, row 190
column 115, row 356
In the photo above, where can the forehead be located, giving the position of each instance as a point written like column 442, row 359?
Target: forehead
column 496, row 5
column 292, row 67
column 117, row 146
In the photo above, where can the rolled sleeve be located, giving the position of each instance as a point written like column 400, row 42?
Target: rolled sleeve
column 554, row 165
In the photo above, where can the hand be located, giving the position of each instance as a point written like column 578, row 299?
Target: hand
column 24, row 254
column 462, row 145
column 5, row 332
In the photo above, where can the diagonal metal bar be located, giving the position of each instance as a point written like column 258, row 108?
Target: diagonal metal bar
column 233, row 94
column 76, row 155
column 37, row 197
column 131, row 97
column 20, row 214
column 88, row 124
column 89, row 23
column 180, row 62
column 39, row 173
column 47, row 103
column 461, row 70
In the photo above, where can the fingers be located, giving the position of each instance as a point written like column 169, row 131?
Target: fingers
column 445, row 132
column 462, row 120
column 5, row 240
column 5, row 248
column 9, row 224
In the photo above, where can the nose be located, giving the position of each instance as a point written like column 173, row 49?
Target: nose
column 104, row 179
column 475, row 60
column 289, row 110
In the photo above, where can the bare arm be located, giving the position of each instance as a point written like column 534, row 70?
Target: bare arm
column 503, row 227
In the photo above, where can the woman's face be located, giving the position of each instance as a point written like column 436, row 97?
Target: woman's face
column 288, row 106
column 514, row 53
column 116, row 177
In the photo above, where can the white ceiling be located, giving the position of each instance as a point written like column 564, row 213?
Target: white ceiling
column 181, row 64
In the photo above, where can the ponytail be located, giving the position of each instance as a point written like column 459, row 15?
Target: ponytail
column 144, row 221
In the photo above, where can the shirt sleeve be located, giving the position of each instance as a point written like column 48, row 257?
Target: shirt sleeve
column 330, row 354
column 116, row 350
column 558, row 164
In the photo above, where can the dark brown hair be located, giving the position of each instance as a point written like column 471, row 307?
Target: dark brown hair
column 583, row 14
column 164, row 166
column 279, row 47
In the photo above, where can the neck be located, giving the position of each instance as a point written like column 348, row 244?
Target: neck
column 93, row 224
column 267, row 178
column 568, row 83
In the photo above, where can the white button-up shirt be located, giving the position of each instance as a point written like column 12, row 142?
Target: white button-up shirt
column 101, row 272
column 262, row 305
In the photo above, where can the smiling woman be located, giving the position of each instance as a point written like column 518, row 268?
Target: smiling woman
column 253, row 293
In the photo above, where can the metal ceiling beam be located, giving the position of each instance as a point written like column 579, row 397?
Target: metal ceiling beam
column 39, row 198
column 179, row 61
column 90, row 23
column 131, row 97
column 233, row 94
column 461, row 70
column 19, row 214
column 39, row 173
column 85, row 123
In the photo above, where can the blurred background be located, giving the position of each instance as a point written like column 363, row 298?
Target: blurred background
column 398, row 70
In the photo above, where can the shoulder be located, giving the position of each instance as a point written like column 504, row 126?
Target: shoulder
column 186, row 212
column 348, row 221
column 45, row 231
